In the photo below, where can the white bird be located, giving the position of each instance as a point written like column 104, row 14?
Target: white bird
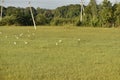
column 15, row 43
column 60, row 41
column 0, row 32
column 56, row 43
column 78, row 39
column 25, row 42
column 21, row 34
column 16, row 37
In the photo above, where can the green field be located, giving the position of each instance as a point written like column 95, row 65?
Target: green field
column 28, row 54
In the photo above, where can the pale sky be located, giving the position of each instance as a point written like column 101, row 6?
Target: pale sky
column 49, row 4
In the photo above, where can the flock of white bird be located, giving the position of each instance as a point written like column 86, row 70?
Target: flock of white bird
column 33, row 34
column 18, row 37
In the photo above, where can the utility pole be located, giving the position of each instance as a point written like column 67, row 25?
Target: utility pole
column 32, row 16
column 82, row 9
column 2, row 1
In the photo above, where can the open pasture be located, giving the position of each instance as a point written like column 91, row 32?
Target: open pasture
column 59, row 53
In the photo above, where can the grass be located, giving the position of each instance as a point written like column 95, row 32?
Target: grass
column 95, row 57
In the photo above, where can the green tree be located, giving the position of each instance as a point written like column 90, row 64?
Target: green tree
column 117, row 15
column 8, row 20
column 49, row 15
column 94, row 9
column 41, row 19
column 61, row 12
column 91, row 14
column 106, row 14
column 88, row 16
column 40, row 10
column 27, row 16
column 73, row 11
column 11, row 11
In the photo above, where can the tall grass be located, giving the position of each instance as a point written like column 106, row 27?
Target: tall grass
column 95, row 57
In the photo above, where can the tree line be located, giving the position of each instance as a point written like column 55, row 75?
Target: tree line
column 104, row 14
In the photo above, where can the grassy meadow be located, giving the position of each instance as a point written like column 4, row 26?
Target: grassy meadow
column 59, row 53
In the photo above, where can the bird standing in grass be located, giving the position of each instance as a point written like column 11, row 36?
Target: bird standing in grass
column 25, row 42
column 16, row 37
column 21, row 34
column 78, row 41
column 15, row 43
column 0, row 32
column 60, row 41
column 56, row 43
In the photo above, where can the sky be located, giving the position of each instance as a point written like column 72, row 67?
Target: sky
column 48, row 4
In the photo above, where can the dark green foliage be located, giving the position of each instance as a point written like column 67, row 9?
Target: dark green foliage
column 106, row 14
column 70, row 11
column 11, row 11
column 61, row 12
column 94, row 13
column 117, row 15
column 41, row 19
column 78, row 23
column 8, row 20
column 62, row 21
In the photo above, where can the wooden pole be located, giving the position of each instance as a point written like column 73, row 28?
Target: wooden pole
column 32, row 16
column 1, row 9
column 81, row 13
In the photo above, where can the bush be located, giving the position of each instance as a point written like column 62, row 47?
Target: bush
column 61, row 21
column 8, row 20
column 41, row 19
